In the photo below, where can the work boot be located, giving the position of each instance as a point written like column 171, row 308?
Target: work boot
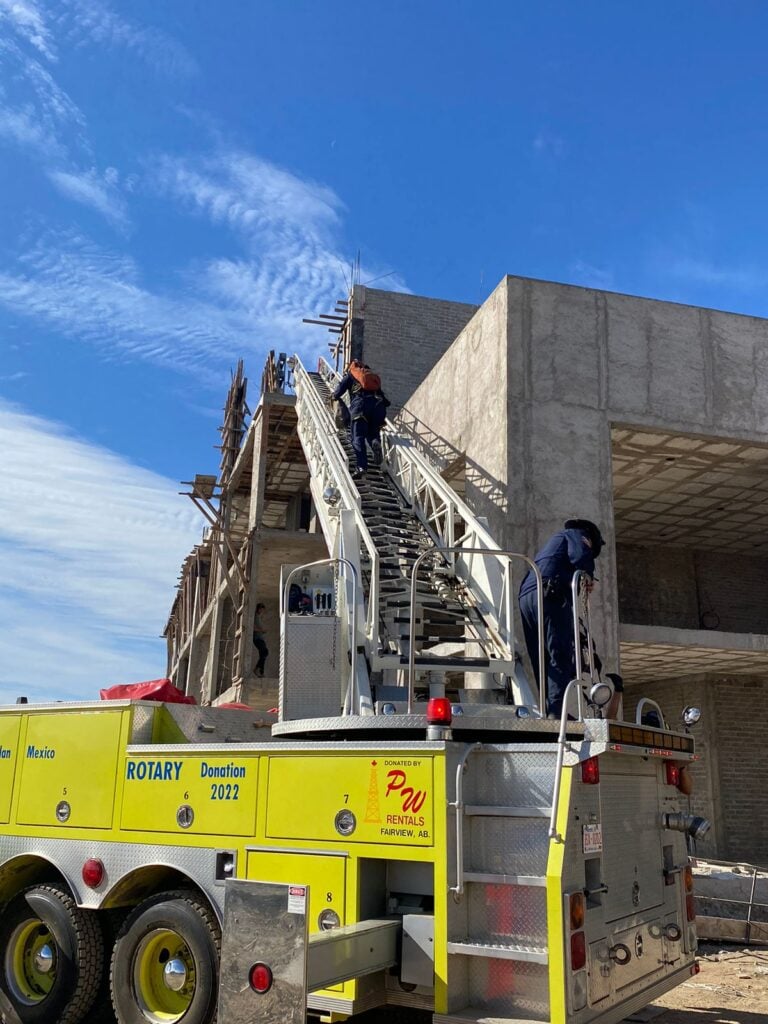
column 377, row 453
column 358, row 474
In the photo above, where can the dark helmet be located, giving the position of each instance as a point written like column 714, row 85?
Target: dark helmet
column 590, row 529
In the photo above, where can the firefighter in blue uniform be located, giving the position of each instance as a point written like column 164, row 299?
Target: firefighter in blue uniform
column 365, row 418
column 574, row 547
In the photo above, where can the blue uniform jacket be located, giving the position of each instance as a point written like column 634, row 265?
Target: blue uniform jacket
column 357, row 397
column 370, row 404
column 561, row 556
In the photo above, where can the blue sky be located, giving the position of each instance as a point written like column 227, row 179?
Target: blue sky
column 181, row 182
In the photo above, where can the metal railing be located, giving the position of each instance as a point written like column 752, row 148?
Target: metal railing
column 510, row 652
column 352, row 685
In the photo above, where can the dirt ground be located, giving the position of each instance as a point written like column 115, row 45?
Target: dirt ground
column 732, row 988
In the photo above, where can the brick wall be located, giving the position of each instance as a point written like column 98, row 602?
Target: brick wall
column 405, row 335
column 665, row 586
column 731, row 779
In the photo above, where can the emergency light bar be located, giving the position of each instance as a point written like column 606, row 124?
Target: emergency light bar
column 661, row 741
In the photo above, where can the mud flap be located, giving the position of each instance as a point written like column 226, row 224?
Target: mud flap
column 264, row 923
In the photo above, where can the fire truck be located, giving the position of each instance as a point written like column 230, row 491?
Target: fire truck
column 409, row 830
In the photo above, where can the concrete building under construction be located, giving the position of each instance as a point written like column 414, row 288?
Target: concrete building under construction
column 546, row 402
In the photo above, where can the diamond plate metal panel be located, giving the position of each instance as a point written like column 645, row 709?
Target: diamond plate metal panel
column 141, row 726
column 511, row 779
column 509, row 988
column 632, row 860
column 508, row 846
column 503, row 913
column 120, row 860
column 310, row 659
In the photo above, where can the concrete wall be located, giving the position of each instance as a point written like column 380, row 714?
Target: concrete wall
column 668, row 586
column 580, row 360
column 731, row 778
column 459, row 411
column 403, row 336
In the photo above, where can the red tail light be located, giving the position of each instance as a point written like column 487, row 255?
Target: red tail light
column 688, row 878
column 590, row 771
column 673, row 773
column 690, row 907
column 439, row 711
column 578, row 951
column 260, row 978
column 93, row 873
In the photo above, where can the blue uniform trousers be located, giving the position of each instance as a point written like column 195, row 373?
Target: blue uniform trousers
column 558, row 644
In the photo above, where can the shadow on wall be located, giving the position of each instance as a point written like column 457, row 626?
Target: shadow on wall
column 444, row 455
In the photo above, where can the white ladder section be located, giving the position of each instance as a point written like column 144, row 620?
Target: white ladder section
column 464, row 608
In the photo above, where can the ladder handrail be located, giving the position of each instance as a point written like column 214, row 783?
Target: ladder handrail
column 501, row 553
column 333, row 469
column 458, row 804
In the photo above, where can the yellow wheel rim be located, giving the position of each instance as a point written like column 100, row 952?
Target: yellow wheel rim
column 31, row 959
column 164, row 976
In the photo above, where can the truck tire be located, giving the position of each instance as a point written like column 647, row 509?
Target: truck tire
column 52, row 956
column 165, row 963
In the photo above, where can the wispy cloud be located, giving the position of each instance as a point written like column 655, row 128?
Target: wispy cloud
column 35, row 112
column 96, row 295
column 28, row 19
column 90, row 546
column 100, row 192
column 702, row 271
column 288, row 263
column 10, row 378
column 591, row 276
column 95, row 22
column 549, row 143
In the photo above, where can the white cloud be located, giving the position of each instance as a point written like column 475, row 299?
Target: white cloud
column 35, row 112
column 549, row 143
column 100, row 192
column 96, row 22
column 93, row 294
column 12, row 377
column 90, row 546
column 27, row 18
column 702, row 271
column 590, row 276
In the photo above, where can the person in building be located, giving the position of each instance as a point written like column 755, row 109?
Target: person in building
column 259, row 642
column 574, row 547
column 367, row 412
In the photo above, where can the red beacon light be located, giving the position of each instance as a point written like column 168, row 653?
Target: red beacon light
column 439, row 711
column 672, row 773
column 93, row 873
column 260, row 978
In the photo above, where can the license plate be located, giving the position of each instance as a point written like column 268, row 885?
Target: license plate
column 592, row 838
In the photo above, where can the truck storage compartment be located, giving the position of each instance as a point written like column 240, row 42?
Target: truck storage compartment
column 68, row 768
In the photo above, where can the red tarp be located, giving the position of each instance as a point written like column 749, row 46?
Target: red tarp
column 154, row 689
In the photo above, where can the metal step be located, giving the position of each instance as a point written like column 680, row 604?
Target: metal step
column 488, row 811
column 486, row 878
column 531, row 954
column 424, row 662
column 479, row 1016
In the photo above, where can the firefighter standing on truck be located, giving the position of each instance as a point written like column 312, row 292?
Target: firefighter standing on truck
column 367, row 412
column 574, row 547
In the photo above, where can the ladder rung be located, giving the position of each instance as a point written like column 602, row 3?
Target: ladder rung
column 491, row 879
column 488, row 811
column 533, row 954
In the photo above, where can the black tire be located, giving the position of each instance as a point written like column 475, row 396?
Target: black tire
column 172, row 926
column 44, row 924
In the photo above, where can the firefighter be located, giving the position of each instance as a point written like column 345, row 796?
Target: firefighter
column 367, row 413
column 574, row 547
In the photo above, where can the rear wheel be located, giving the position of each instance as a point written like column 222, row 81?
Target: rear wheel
column 165, row 964
column 52, row 956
